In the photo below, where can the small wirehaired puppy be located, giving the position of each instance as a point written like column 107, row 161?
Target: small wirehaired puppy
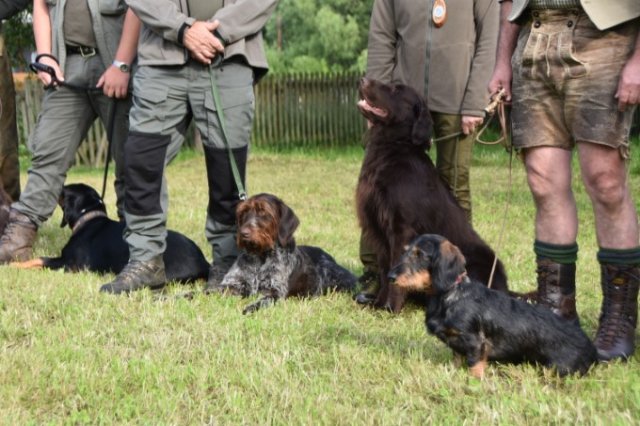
column 482, row 324
column 272, row 264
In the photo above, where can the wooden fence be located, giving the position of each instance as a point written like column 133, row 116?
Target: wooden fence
column 292, row 110
column 296, row 110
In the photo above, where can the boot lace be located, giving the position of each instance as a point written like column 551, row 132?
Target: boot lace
column 617, row 317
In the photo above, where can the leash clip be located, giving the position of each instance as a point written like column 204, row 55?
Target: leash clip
column 496, row 99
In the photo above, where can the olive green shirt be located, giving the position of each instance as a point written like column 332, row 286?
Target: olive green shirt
column 77, row 26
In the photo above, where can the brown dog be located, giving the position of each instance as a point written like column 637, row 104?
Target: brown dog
column 400, row 194
column 271, row 263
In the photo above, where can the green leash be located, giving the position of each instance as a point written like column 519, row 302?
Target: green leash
column 234, row 167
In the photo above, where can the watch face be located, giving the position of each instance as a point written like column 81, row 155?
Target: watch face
column 124, row 67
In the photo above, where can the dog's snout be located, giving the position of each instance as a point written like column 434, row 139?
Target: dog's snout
column 245, row 232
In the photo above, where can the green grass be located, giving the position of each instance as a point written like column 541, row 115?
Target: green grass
column 71, row 355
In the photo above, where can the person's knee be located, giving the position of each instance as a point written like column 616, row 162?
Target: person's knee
column 607, row 188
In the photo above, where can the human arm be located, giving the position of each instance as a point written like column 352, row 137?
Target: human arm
column 381, row 56
column 114, row 82
column 507, row 40
column 628, row 93
column 486, row 18
column 42, row 37
column 230, row 24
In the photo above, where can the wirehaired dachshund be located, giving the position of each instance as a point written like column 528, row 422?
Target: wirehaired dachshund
column 97, row 245
column 483, row 324
column 271, row 264
column 400, row 194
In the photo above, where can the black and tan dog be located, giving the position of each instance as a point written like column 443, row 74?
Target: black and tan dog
column 271, row 264
column 483, row 324
column 96, row 242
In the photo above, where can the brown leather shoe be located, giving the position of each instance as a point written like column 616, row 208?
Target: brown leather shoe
column 137, row 275
column 16, row 243
column 557, row 288
column 619, row 313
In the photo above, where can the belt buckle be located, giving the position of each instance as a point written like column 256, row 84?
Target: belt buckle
column 87, row 52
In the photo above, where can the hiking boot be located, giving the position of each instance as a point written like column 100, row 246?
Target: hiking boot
column 369, row 282
column 137, row 275
column 16, row 243
column 557, row 288
column 619, row 312
column 216, row 274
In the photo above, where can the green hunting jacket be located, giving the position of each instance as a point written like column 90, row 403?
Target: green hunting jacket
column 241, row 23
column 603, row 13
column 107, row 17
column 459, row 56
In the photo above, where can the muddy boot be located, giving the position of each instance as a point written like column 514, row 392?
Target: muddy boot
column 369, row 283
column 619, row 312
column 16, row 243
column 557, row 288
column 137, row 275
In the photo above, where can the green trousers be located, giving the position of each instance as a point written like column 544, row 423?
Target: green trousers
column 64, row 120
column 166, row 99
column 453, row 161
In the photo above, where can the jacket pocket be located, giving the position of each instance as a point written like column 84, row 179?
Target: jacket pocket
column 112, row 7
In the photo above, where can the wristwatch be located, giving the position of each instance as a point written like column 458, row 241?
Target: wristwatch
column 121, row 66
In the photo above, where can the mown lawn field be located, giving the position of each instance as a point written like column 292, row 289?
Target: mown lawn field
column 69, row 355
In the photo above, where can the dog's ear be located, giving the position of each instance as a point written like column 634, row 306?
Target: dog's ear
column 288, row 223
column 449, row 264
column 422, row 124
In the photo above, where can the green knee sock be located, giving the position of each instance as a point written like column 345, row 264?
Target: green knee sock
column 559, row 253
column 630, row 257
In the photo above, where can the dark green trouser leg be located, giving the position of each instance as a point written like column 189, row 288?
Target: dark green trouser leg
column 453, row 158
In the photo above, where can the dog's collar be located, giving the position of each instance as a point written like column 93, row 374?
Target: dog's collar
column 461, row 278
column 86, row 218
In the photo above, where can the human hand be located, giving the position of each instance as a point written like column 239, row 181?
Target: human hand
column 114, row 82
column 628, row 92
column 45, row 77
column 469, row 123
column 501, row 79
column 201, row 43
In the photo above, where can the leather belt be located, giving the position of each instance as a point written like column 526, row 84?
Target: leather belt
column 83, row 51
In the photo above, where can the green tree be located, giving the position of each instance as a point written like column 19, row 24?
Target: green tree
column 18, row 37
column 314, row 35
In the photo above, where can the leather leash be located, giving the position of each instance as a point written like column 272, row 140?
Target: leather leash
column 242, row 194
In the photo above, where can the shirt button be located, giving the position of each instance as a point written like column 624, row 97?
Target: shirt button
column 570, row 24
column 537, row 24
